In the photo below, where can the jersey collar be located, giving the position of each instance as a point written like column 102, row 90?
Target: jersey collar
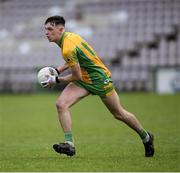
column 60, row 43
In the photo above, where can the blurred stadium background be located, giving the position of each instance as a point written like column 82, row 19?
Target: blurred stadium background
column 139, row 40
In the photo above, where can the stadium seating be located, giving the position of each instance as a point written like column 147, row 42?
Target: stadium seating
column 131, row 36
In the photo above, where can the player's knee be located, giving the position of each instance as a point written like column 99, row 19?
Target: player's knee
column 61, row 105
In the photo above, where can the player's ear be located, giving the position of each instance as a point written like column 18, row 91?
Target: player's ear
column 61, row 28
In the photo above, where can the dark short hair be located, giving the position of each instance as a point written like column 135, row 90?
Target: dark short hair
column 57, row 20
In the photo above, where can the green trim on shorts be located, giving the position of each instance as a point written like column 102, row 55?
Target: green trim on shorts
column 100, row 88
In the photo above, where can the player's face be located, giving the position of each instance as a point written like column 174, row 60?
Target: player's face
column 53, row 32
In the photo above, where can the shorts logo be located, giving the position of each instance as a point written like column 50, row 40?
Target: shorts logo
column 106, row 81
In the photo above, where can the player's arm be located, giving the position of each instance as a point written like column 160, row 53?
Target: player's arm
column 70, row 56
column 62, row 68
column 75, row 75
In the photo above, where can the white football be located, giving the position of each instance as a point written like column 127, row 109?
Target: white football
column 44, row 73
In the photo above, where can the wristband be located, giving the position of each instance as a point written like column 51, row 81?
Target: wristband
column 57, row 80
column 57, row 71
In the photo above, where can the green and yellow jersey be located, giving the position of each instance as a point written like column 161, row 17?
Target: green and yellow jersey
column 76, row 50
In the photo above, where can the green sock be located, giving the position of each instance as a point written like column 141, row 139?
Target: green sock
column 68, row 136
column 144, row 135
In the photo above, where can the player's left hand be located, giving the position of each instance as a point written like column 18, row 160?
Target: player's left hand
column 50, row 82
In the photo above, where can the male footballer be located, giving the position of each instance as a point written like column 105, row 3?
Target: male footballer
column 88, row 76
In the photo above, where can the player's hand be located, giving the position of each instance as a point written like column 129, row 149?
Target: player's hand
column 50, row 82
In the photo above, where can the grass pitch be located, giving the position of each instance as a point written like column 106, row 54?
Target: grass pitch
column 29, row 127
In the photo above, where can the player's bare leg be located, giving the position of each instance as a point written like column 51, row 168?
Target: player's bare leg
column 69, row 96
column 112, row 102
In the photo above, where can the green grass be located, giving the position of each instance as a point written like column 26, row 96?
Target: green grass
column 29, row 127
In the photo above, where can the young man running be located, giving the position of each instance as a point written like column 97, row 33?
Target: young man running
column 88, row 76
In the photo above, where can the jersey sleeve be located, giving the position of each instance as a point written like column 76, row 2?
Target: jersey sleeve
column 70, row 54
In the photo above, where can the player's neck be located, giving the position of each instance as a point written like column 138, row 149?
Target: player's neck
column 60, row 41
